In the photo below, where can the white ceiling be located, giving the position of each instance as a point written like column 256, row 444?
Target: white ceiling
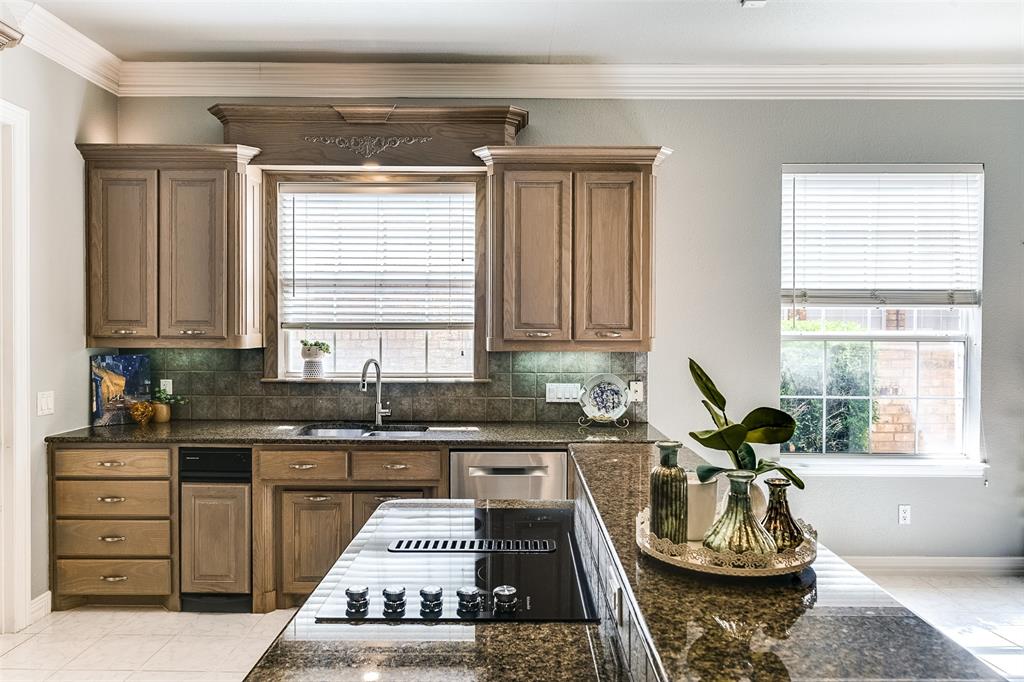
column 556, row 31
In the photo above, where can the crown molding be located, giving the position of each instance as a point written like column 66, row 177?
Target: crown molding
column 157, row 153
column 512, row 116
column 9, row 36
column 52, row 38
column 575, row 154
column 573, row 81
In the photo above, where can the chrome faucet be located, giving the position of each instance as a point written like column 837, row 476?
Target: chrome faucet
column 378, row 409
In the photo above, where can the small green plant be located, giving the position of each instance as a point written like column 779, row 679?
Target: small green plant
column 162, row 396
column 763, row 425
column 322, row 346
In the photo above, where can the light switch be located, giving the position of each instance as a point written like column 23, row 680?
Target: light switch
column 44, row 403
column 562, row 393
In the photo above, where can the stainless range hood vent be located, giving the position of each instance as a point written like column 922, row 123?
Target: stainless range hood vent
column 476, row 546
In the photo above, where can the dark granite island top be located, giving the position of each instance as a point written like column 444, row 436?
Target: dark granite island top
column 832, row 623
column 456, row 434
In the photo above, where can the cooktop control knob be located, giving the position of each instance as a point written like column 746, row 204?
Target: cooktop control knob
column 505, row 600
column 358, row 600
column 430, row 601
column 357, row 592
column 394, row 600
column 470, row 599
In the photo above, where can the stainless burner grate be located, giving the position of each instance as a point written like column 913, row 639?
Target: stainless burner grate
column 476, row 546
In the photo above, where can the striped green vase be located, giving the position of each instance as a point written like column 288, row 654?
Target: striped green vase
column 668, row 495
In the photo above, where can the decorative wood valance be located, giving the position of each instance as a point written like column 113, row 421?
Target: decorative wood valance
column 368, row 134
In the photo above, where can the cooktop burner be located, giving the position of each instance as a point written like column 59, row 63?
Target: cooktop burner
column 420, row 563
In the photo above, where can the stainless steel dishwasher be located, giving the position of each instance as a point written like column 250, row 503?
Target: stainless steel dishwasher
column 508, row 475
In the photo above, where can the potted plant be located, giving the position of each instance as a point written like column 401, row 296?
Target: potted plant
column 162, row 401
column 313, row 353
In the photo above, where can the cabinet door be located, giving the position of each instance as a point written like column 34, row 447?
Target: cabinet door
column 315, row 529
column 123, row 253
column 364, row 504
column 608, row 286
column 193, row 253
column 537, row 278
column 216, row 536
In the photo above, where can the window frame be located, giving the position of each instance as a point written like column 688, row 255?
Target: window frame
column 969, row 462
column 274, row 361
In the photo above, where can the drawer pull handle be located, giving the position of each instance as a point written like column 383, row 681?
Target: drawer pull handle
column 394, row 467
column 113, row 578
column 538, row 335
column 386, row 498
column 111, row 500
column 110, row 464
column 318, row 498
column 610, row 335
column 302, row 466
column 125, row 332
column 192, row 332
column 111, row 538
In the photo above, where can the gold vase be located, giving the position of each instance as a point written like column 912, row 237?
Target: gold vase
column 737, row 529
column 778, row 521
column 668, row 495
column 161, row 413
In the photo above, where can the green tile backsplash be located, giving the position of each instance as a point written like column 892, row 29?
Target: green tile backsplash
column 227, row 384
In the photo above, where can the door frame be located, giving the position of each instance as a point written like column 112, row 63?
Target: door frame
column 15, row 384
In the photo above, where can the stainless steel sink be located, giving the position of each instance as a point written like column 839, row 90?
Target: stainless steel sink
column 344, row 430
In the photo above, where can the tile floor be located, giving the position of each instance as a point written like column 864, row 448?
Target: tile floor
column 985, row 614
column 98, row 644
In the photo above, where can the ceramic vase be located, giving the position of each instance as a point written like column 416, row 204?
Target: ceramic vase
column 668, row 495
column 161, row 413
column 701, row 505
column 313, row 365
column 737, row 529
column 778, row 521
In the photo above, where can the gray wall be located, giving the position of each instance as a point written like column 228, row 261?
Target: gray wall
column 718, row 275
column 64, row 108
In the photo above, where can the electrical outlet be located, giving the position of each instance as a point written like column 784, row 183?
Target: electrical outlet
column 44, row 403
column 167, row 385
column 636, row 391
column 904, row 515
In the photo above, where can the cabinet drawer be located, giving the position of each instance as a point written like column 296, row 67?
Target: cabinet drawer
column 304, row 465
column 112, row 538
column 112, row 498
column 113, row 463
column 403, row 465
column 114, row 576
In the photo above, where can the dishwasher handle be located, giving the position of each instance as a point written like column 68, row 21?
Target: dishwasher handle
column 529, row 470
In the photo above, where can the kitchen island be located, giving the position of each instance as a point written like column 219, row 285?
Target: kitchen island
column 657, row 622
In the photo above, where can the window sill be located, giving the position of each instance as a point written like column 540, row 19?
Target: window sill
column 880, row 465
column 384, row 380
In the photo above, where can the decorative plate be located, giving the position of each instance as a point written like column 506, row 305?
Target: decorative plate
column 604, row 397
column 695, row 556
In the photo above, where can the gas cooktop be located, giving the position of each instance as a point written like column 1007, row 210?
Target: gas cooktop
column 419, row 563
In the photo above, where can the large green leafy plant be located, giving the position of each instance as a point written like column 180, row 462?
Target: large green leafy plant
column 763, row 425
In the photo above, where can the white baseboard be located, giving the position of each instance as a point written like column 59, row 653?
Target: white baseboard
column 939, row 565
column 39, row 607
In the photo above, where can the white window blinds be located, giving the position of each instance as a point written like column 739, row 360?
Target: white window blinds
column 870, row 235
column 384, row 256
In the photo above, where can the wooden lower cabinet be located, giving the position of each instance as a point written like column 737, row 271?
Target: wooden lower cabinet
column 315, row 529
column 216, row 538
column 114, row 537
column 364, row 504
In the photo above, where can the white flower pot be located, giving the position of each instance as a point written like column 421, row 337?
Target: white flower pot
column 701, row 506
column 311, row 353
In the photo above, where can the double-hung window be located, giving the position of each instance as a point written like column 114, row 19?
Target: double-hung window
column 880, row 314
column 383, row 270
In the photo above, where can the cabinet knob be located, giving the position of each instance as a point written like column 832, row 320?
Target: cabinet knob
column 192, row 332
column 302, row 466
column 113, row 578
column 610, row 335
column 386, row 498
column 111, row 538
column 394, row 467
column 110, row 464
column 538, row 335
column 318, row 498
column 125, row 332
column 111, row 500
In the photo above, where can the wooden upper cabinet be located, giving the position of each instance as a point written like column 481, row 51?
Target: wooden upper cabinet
column 198, row 206
column 538, row 255
column 193, row 255
column 123, row 253
column 570, row 247
column 608, row 291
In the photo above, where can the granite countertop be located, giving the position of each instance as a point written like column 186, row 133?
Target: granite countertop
column 251, row 432
column 831, row 623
